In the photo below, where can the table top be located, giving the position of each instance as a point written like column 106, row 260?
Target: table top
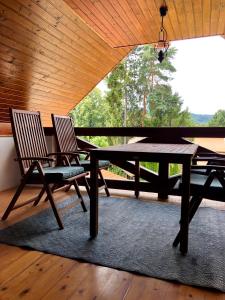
column 188, row 149
column 153, row 150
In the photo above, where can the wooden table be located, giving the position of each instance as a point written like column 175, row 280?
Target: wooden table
column 148, row 152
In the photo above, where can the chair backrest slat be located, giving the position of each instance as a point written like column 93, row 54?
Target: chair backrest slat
column 28, row 135
column 65, row 135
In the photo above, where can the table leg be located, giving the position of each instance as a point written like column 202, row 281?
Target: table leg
column 163, row 180
column 93, row 196
column 184, row 220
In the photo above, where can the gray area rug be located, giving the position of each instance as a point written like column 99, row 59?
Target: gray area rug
column 134, row 236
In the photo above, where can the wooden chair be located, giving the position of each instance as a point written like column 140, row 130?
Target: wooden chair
column 35, row 162
column 67, row 144
column 208, row 183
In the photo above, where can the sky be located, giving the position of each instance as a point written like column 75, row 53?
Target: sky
column 200, row 76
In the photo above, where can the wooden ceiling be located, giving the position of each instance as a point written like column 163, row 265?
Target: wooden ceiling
column 49, row 58
column 53, row 52
column 131, row 22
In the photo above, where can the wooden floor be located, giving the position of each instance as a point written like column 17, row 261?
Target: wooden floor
column 34, row 275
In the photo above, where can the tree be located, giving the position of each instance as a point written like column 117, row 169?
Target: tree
column 165, row 108
column 131, row 82
column 138, row 94
column 92, row 111
column 152, row 73
column 218, row 119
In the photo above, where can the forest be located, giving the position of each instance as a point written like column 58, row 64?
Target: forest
column 138, row 93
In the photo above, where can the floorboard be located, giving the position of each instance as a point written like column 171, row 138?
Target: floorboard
column 26, row 274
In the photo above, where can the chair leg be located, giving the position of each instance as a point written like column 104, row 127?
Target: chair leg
column 51, row 200
column 104, row 183
column 53, row 188
column 194, row 205
column 79, row 195
column 87, row 187
column 39, row 197
column 14, row 199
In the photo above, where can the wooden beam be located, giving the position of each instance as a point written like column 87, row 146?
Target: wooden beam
column 162, row 133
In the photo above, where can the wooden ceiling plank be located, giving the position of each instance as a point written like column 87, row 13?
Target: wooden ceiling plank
column 190, row 21
column 23, row 85
column 141, row 18
column 172, row 15
column 63, row 102
column 68, row 27
column 36, row 78
column 38, row 47
column 40, row 54
column 85, row 30
column 79, row 90
column 197, row 7
column 36, row 95
column 221, row 22
column 35, row 21
column 215, row 15
column 179, row 6
column 89, row 15
column 59, row 42
column 36, row 104
column 206, row 10
column 5, row 104
column 128, row 14
column 27, row 77
column 34, row 91
column 153, row 27
column 17, row 50
column 107, row 18
column 117, row 14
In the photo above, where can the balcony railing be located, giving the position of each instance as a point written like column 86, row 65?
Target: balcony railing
column 160, row 135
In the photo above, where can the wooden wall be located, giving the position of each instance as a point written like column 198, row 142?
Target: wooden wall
column 49, row 58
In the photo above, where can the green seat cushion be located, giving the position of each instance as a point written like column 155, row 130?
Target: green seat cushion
column 86, row 164
column 59, row 173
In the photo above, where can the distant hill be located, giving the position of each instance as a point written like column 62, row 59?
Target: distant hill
column 201, row 119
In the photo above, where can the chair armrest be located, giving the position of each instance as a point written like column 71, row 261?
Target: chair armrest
column 58, row 153
column 68, row 153
column 35, row 158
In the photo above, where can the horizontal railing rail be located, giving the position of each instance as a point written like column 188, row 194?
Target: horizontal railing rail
column 162, row 132
column 149, row 134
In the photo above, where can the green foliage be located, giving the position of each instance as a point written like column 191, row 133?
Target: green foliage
column 218, row 119
column 139, row 94
column 150, row 166
column 165, row 108
column 117, row 170
column 93, row 111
